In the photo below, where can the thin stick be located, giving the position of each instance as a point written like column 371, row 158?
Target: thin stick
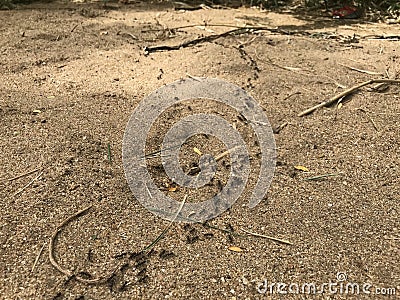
column 23, row 175
column 360, row 70
column 133, row 37
column 378, row 87
column 278, row 129
column 223, row 154
column 302, row 73
column 387, row 74
column 346, row 93
column 193, row 42
column 76, row 25
column 67, row 272
column 111, row 273
column 54, row 236
column 195, row 25
column 188, row 219
column 291, row 95
column 267, row 237
column 26, row 186
column 37, row 257
column 192, row 77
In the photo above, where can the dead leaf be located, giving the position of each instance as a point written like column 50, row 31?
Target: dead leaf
column 235, row 249
column 302, row 168
column 172, row 189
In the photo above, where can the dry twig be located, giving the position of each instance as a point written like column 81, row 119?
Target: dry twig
column 210, row 38
column 360, row 70
column 346, row 93
column 67, row 272
column 111, row 273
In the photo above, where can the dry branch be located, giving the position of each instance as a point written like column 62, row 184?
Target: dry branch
column 210, row 38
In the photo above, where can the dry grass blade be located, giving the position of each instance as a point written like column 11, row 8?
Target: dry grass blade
column 37, row 257
column 267, row 237
column 23, row 175
column 161, row 235
column 26, row 186
column 369, row 118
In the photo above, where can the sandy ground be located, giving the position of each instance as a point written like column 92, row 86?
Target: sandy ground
column 71, row 76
